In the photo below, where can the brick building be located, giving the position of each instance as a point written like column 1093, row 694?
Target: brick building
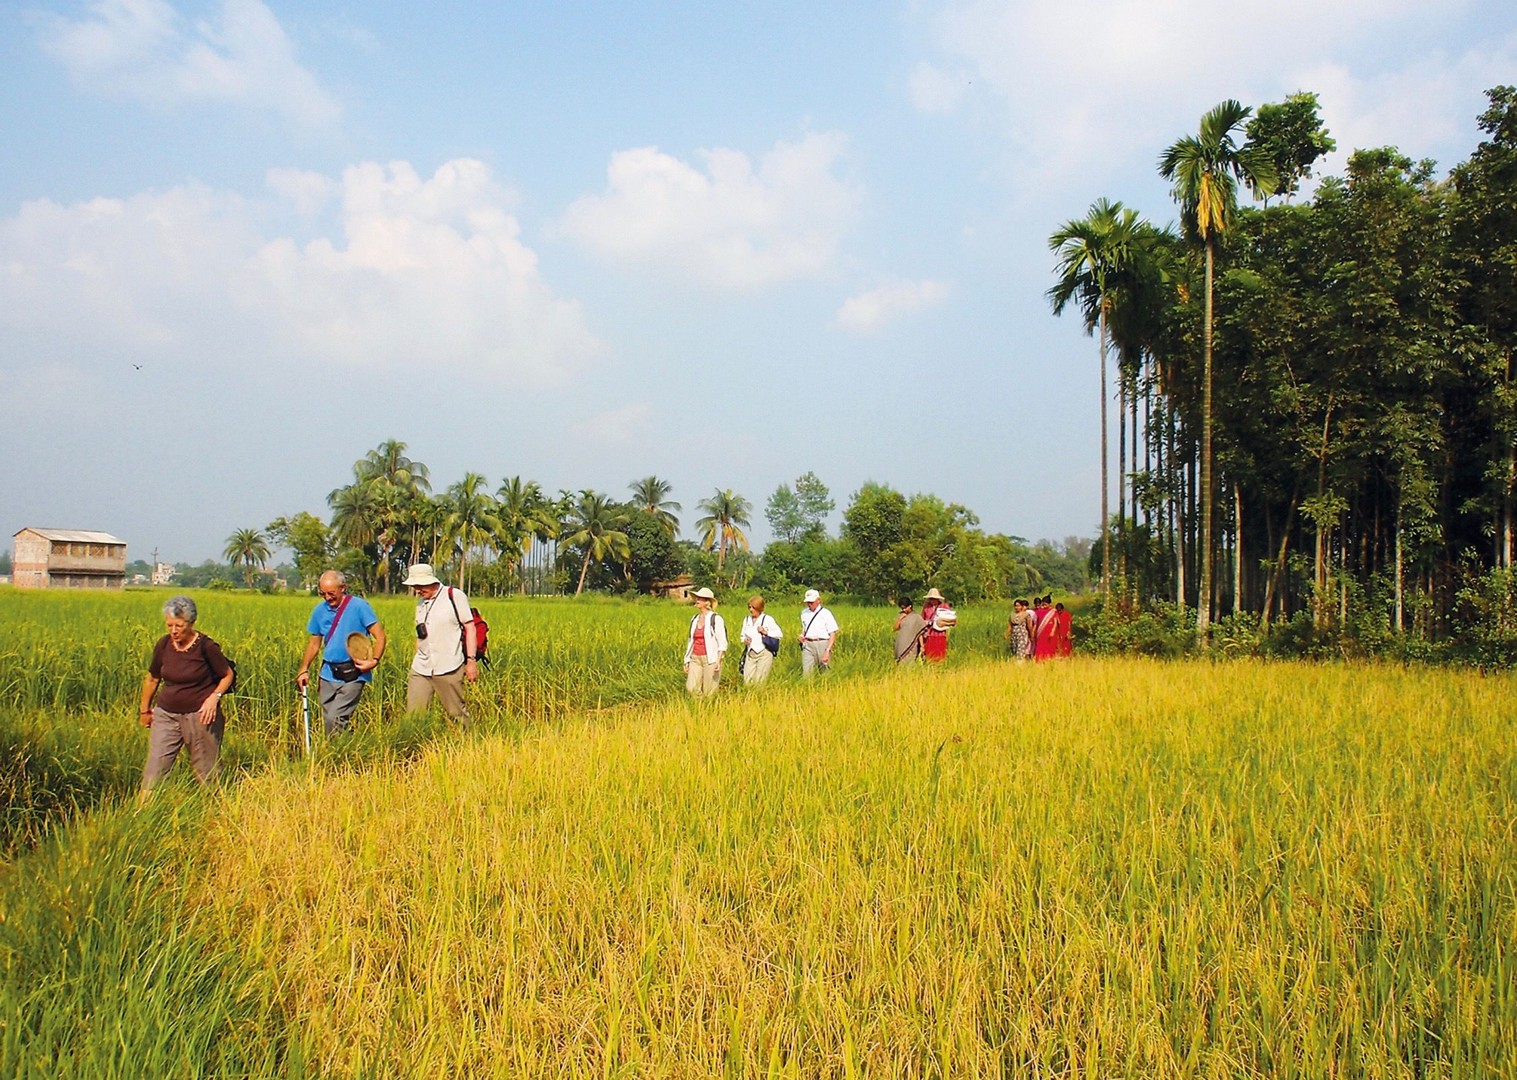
column 67, row 559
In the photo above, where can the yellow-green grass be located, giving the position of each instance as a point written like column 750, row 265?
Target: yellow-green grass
column 1094, row 868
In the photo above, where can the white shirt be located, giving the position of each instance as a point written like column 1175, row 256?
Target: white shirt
column 754, row 629
column 442, row 650
column 716, row 637
column 817, row 624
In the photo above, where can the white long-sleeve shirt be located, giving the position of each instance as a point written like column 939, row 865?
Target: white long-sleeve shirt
column 716, row 637
column 754, row 629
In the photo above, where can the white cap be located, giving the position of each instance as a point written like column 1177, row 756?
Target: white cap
column 812, row 595
column 420, row 574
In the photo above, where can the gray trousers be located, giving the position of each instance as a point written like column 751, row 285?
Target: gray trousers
column 339, row 700
column 170, row 732
column 811, row 657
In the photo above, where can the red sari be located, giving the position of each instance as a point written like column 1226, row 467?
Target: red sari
column 1045, row 629
column 1063, row 638
column 934, row 641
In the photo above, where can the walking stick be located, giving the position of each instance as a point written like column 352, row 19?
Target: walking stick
column 305, row 718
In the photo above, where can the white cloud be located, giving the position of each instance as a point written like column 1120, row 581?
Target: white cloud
column 424, row 272
column 620, row 427
column 936, row 90
column 730, row 225
column 867, row 312
column 144, row 50
column 1089, row 87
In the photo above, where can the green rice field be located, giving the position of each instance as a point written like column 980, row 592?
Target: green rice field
column 1098, row 867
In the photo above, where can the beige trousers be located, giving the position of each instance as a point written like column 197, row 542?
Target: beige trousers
column 757, row 667
column 702, row 674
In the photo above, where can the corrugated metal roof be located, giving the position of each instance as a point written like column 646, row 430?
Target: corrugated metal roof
column 75, row 536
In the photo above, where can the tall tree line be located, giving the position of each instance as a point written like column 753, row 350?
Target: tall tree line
column 1320, row 395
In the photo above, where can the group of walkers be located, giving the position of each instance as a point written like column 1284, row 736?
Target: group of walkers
column 1040, row 632
column 188, row 674
column 759, row 640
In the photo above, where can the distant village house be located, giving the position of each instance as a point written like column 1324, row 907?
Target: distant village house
column 67, row 559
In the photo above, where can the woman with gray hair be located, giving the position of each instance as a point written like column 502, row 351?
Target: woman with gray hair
column 188, row 675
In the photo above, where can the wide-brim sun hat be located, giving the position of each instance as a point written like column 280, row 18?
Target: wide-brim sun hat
column 704, row 594
column 360, row 646
column 933, row 594
column 421, row 574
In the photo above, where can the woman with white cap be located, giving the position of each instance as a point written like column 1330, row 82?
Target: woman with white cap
column 705, row 645
column 939, row 615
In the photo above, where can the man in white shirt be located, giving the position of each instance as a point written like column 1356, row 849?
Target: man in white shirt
column 447, row 649
column 819, row 631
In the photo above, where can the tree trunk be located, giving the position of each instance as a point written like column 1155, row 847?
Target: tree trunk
column 1105, row 527
column 1400, row 624
column 1204, row 586
column 1121, row 473
column 1237, row 549
column 1277, row 572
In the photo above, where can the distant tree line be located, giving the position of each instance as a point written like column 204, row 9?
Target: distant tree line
column 1316, row 400
column 518, row 539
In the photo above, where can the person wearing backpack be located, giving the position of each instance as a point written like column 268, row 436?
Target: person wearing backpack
column 337, row 617
column 705, row 646
column 181, row 696
column 447, row 645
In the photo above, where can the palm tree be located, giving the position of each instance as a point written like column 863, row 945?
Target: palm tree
column 1099, row 256
column 399, row 483
column 725, row 512
column 652, row 496
column 470, row 521
column 596, row 523
column 250, row 548
column 1205, row 170
column 355, row 514
column 524, row 516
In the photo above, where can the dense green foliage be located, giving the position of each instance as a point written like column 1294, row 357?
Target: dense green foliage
column 1361, row 447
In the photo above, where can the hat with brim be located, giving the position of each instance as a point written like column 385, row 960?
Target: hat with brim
column 420, row 574
column 360, row 646
column 933, row 594
column 812, row 596
column 704, row 594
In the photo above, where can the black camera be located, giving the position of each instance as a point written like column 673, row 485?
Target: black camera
column 421, row 631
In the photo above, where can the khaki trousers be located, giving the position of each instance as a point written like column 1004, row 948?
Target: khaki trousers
column 757, row 666
column 448, row 688
column 702, row 675
column 171, row 732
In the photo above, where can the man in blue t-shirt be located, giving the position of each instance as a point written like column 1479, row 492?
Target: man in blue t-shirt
column 337, row 615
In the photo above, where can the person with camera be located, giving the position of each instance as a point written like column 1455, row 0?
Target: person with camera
column 340, row 624
column 447, row 645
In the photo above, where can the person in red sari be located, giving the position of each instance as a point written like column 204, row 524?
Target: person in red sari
column 1045, row 625
column 1063, row 640
column 935, row 639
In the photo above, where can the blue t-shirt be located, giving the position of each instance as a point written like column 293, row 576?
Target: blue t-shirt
column 357, row 617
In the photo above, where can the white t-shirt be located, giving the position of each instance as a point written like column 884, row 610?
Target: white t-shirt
column 442, row 650
column 817, row 624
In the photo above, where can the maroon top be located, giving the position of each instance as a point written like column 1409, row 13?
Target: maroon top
column 189, row 677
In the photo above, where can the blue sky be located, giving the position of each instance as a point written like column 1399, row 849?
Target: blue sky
column 586, row 243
